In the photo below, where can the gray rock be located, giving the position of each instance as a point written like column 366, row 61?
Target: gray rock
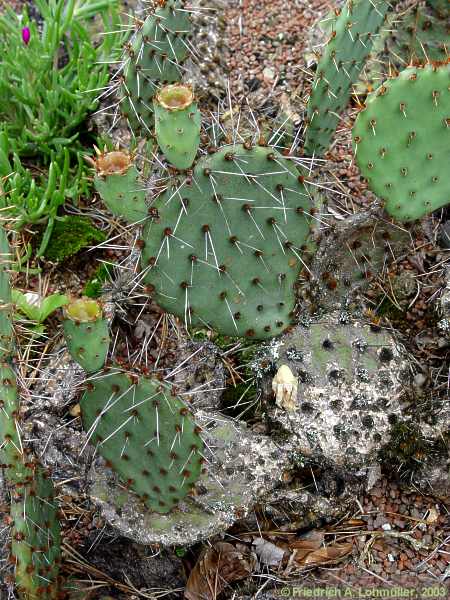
column 352, row 385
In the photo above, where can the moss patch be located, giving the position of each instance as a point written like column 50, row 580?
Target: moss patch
column 93, row 288
column 70, row 236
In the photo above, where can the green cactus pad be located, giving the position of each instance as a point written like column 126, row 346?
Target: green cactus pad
column 342, row 61
column 440, row 6
column 154, row 57
column 177, row 124
column 11, row 452
column 226, row 248
column 36, row 539
column 146, row 434
column 402, row 141
column 6, row 329
column 418, row 35
column 118, row 183
column 86, row 333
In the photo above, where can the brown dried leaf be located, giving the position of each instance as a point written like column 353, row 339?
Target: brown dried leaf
column 217, row 566
column 333, row 553
column 307, row 544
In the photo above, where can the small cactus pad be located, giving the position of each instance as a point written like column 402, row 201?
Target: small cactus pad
column 402, row 141
column 146, row 434
column 118, row 183
column 36, row 538
column 153, row 57
column 177, row 124
column 339, row 68
column 86, row 333
column 6, row 329
column 225, row 248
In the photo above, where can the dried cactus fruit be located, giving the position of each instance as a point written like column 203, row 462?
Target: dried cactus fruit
column 225, row 248
column 402, row 141
column 118, row 183
column 86, row 333
column 177, row 124
column 146, row 434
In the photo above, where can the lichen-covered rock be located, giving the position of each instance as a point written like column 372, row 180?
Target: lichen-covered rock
column 352, row 386
column 241, row 468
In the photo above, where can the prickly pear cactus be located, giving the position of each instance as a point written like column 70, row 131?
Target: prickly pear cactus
column 419, row 34
column 347, row 384
column 6, row 329
column 154, row 56
column 11, row 454
column 118, row 183
column 146, row 434
column 35, row 546
column 440, row 6
column 177, row 124
column 226, row 247
column 36, row 543
column 86, row 333
column 402, row 141
column 343, row 58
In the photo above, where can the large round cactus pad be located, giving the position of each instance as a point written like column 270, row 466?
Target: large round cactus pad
column 402, row 141
column 225, row 247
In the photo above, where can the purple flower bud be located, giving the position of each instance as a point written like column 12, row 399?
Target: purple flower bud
column 26, row 34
